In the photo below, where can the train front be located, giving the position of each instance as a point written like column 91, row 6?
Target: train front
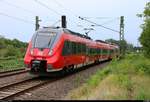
column 40, row 52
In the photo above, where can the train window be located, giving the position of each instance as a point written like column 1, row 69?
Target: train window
column 87, row 50
column 71, row 47
column 43, row 41
column 93, row 51
column 104, row 51
column 90, row 51
column 67, row 48
column 74, row 47
column 80, row 48
column 64, row 52
column 96, row 51
column 84, row 49
column 77, row 48
column 99, row 51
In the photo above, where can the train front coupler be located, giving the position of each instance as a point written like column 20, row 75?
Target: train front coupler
column 38, row 66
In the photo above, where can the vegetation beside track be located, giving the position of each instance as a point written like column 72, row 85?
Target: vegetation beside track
column 11, row 64
column 128, row 78
column 11, row 54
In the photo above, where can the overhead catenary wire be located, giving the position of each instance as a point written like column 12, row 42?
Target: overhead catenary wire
column 72, row 13
column 98, row 24
column 18, row 7
column 110, row 21
column 107, row 22
column 103, row 17
column 44, row 5
column 59, row 4
column 97, row 17
column 56, row 22
column 101, row 25
column 64, row 7
column 16, row 18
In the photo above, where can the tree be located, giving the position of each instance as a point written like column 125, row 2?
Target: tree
column 145, row 36
column 112, row 41
column 12, row 47
column 127, row 46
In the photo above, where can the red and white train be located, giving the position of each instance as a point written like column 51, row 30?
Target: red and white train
column 53, row 49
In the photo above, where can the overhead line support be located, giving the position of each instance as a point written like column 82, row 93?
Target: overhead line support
column 122, row 45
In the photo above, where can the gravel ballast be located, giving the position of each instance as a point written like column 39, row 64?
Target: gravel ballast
column 57, row 90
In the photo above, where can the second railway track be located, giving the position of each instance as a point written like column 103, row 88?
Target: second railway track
column 11, row 73
column 17, row 88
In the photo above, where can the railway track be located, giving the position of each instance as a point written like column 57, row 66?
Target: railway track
column 11, row 70
column 14, row 89
column 14, row 72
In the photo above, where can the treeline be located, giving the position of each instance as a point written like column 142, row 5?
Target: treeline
column 127, row 46
column 12, row 48
column 145, row 36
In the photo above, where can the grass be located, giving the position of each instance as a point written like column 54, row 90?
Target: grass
column 128, row 78
column 8, row 64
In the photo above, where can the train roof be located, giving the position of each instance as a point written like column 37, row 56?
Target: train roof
column 59, row 29
column 66, row 31
column 75, row 33
column 101, row 41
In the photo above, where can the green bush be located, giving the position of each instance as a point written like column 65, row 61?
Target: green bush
column 132, row 64
column 145, row 36
column 11, row 52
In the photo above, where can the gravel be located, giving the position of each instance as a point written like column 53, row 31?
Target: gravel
column 57, row 90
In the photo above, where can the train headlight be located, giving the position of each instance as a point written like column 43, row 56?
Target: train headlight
column 50, row 52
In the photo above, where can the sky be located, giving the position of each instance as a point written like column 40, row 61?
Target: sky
column 17, row 17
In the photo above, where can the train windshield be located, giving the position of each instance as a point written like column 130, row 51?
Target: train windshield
column 44, row 39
